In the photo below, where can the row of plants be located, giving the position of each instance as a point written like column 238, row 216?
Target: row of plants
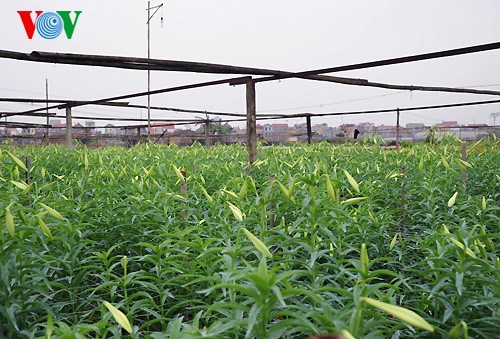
column 161, row 241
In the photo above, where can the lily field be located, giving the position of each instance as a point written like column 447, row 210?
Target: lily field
column 167, row 242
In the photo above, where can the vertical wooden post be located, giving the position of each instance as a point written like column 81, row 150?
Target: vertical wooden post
column 463, row 175
column 309, row 129
column 398, row 144
column 28, row 172
column 207, row 132
column 251, row 122
column 138, row 135
column 69, row 128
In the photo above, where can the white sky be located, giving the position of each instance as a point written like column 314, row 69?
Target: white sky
column 289, row 35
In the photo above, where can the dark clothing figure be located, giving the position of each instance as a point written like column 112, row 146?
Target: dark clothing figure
column 356, row 133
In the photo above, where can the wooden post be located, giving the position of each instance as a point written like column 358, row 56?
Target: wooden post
column 398, row 145
column 463, row 175
column 207, row 132
column 309, row 129
column 69, row 128
column 28, row 172
column 138, row 135
column 251, row 123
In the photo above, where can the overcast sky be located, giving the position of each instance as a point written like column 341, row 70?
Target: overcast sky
column 288, row 35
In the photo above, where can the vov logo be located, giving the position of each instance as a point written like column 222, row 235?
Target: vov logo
column 49, row 25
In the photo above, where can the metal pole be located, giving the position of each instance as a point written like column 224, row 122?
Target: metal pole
column 251, row 123
column 149, row 71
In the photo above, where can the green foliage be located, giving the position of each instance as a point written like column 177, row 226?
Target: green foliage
column 106, row 243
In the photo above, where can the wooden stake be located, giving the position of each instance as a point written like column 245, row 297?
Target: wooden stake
column 309, row 129
column 251, row 123
column 69, row 128
column 28, row 172
column 398, row 145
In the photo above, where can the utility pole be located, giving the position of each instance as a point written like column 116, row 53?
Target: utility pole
column 150, row 16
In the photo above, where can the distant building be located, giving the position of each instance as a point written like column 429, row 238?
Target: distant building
column 110, row 129
column 416, row 126
column 387, row 132
column 158, row 128
column 447, row 124
column 276, row 132
column 365, row 126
